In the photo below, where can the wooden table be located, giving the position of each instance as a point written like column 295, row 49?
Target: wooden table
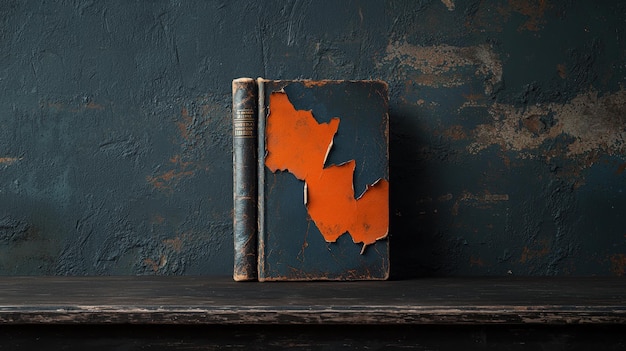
column 155, row 310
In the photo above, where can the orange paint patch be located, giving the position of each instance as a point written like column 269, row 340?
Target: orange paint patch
column 297, row 143
column 330, row 200
column 294, row 139
column 372, row 222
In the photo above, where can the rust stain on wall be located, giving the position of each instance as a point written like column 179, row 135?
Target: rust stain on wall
column 7, row 161
column 618, row 264
column 529, row 253
column 166, row 181
column 534, row 124
column 193, row 127
column 156, row 265
column 175, row 244
column 533, row 9
column 593, row 122
column 440, row 65
column 93, row 106
column 177, row 160
column 185, row 125
column 473, row 100
column 455, row 132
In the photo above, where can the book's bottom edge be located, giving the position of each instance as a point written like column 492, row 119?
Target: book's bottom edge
column 322, row 279
column 244, row 278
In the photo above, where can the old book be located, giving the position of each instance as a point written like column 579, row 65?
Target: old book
column 321, row 182
column 245, row 115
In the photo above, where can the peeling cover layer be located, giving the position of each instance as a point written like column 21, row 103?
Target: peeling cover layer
column 297, row 143
column 323, row 180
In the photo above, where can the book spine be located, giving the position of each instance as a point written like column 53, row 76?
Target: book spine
column 245, row 114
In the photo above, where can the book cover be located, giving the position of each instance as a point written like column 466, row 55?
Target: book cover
column 322, row 180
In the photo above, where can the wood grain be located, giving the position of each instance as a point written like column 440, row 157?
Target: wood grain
column 218, row 300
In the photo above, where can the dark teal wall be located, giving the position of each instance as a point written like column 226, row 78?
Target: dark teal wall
column 508, row 129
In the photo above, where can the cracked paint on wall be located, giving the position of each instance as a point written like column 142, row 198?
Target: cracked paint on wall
column 443, row 65
column 593, row 123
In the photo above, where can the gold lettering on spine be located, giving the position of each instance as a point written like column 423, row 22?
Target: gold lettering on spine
column 243, row 125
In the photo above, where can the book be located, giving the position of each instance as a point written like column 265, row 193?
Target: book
column 311, row 180
column 245, row 106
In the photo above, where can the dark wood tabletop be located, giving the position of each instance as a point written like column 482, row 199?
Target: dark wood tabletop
column 219, row 300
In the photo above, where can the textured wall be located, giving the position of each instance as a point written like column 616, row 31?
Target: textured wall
column 508, row 128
